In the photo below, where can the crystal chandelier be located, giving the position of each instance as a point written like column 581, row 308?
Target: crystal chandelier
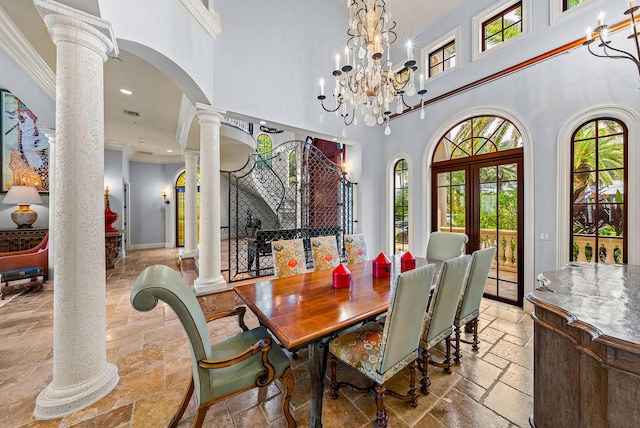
column 365, row 82
column 602, row 33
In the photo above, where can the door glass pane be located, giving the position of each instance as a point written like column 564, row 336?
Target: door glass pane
column 451, row 201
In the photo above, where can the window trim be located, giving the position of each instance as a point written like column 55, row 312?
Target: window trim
column 556, row 12
column 631, row 119
column 454, row 35
column 493, row 11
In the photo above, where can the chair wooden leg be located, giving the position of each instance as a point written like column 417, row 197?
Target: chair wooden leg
column 289, row 383
column 447, row 355
column 334, row 387
column 457, row 355
column 381, row 412
column 183, row 406
column 425, row 382
column 199, row 419
column 475, row 335
column 413, row 391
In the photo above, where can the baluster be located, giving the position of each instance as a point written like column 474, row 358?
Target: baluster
column 504, row 251
column 588, row 252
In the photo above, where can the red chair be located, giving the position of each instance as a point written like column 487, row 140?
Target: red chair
column 36, row 256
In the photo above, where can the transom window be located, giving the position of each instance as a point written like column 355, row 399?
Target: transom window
column 503, row 26
column 598, row 178
column 401, row 206
column 263, row 147
column 476, row 136
column 568, row 4
column 442, row 59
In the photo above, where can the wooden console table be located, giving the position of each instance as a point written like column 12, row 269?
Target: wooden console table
column 587, row 347
column 20, row 239
column 112, row 248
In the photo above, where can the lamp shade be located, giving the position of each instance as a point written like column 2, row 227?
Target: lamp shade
column 22, row 195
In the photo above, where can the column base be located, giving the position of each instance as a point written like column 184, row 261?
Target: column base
column 189, row 254
column 53, row 403
column 209, row 286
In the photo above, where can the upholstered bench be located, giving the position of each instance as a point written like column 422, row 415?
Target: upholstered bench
column 14, row 280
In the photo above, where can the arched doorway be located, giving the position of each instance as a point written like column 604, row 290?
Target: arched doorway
column 477, row 189
column 179, row 192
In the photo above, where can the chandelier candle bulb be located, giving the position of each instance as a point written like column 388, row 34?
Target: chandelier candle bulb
column 588, row 34
column 421, row 82
column 337, row 62
column 601, row 19
column 631, row 4
column 409, row 51
column 322, row 87
column 346, row 56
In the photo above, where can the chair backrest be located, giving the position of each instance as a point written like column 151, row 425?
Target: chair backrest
column 406, row 315
column 163, row 283
column 356, row 248
column 444, row 245
column 478, row 273
column 325, row 252
column 445, row 299
column 288, row 258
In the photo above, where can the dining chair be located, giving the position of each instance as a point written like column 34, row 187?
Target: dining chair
column 445, row 245
column 379, row 352
column 356, row 248
column 325, row 252
column 442, row 309
column 469, row 306
column 237, row 364
column 288, row 258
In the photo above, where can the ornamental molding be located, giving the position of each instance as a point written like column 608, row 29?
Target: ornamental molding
column 207, row 18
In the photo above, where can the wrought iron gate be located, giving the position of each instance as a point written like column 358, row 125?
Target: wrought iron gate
column 292, row 192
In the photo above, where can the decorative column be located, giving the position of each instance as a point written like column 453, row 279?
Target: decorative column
column 210, row 279
column 190, row 204
column 81, row 374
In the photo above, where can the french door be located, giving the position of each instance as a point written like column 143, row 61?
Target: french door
column 482, row 196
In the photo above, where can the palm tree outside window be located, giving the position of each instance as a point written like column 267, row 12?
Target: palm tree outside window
column 401, row 206
column 501, row 27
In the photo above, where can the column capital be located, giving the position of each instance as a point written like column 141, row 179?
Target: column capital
column 209, row 114
column 65, row 23
column 188, row 153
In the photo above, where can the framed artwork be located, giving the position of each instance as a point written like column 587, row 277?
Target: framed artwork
column 24, row 152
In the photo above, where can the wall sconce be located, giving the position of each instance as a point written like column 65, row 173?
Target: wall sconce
column 165, row 197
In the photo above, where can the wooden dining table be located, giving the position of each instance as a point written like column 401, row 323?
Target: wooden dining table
column 305, row 310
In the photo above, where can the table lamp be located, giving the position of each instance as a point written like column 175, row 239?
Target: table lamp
column 23, row 196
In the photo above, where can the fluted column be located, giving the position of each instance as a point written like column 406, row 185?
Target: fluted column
column 210, row 278
column 190, row 204
column 81, row 374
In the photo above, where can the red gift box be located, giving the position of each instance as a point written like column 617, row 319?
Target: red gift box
column 341, row 277
column 381, row 266
column 407, row 262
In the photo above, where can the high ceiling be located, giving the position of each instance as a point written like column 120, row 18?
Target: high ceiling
column 156, row 98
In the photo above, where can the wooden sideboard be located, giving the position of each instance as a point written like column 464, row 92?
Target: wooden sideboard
column 587, row 347
column 20, row 239
column 112, row 248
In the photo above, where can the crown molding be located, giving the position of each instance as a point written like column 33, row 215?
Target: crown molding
column 206, row 17
column 15, row 44
column 121, row 147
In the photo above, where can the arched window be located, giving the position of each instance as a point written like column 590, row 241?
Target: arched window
column 401, row 206
column 599, row 181
column 263, row 147
column 292, row 168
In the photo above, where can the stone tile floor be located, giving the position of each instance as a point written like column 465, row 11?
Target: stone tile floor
column 492, row 388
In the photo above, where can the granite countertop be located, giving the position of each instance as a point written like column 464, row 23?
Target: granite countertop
column 604, row 296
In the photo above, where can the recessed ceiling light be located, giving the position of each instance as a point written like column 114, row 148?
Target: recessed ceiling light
column 335, row 139
column 262, row 122
column 126, row 91
column 169, row 151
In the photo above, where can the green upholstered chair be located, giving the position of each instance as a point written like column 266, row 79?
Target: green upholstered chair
column 237, row 364
column 444, row 245
column 325, row 252
column 469, row 306
column 356, row 248
column 379, row 352
column 288, row 258
column 442, row 309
